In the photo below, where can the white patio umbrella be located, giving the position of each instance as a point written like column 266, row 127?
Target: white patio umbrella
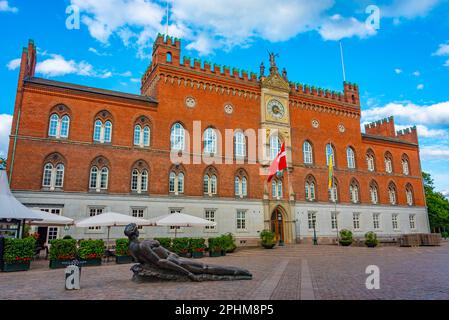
column 51, row 220
column 178, row 219
column 111, row 219
column 10, row 207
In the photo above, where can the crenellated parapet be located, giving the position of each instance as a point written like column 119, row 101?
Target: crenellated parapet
column 384, row 127
column 408, row 134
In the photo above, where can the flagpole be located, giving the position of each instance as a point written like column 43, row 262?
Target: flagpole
column 342, row 62
column 332, row 189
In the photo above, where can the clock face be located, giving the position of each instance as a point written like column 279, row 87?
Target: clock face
column 276, row 109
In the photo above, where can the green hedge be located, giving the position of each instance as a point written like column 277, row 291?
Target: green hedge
column 91, row 249
column 62, row 249
column 267, row 237
column 19, row 250
column 229, row 242
column 122, row 247
column 165, row 242
column 197, row 245
column 181, row 245
column 346, row 237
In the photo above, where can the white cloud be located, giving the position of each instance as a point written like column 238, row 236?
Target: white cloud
column 13, row 64
column 409, row 9
column 135, row 80
column 5, row 130
column 445, row 193
column 98, row 53
column 420, row 86
column 443, row 50
column 436, row 114
column 57, row 65
column 4, row 6
column 338, row 27
column 398, row 71
column 416, row 73
column 434, row 153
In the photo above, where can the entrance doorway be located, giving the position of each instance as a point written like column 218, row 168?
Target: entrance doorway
column 277, row 225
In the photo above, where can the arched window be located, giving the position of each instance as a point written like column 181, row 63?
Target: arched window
column 276, row 189
column 241, row 184
column 146, row 136
column 176, row 181
column 65, row 125
column 177, row 137
column 307, row 152
column 333, row 192
column 54, row 123
column 210, row 141
column 374, row 193
column 53, row 173
column 370, row 161
column 392, row 194
column 409, row 195
column 135, row 180
column 354, row 191
column 405, row 165
column 275, row 146
column 239, row 144
column 139, row 177
column 330, row 154
column 388, row 163
column 350, row 156
column 137, row 133
column 169, row 57
column 210, row 182
column 310, row 188
column 103, row 127
column 99, row 174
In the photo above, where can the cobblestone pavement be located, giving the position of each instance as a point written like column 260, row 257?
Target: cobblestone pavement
column 287, row 273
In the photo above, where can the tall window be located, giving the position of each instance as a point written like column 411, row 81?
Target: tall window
column 241, row 184
column 138, row 213
column 210, row 141
column 405, row 165
column 241, row 220
column 330, row 153
column 394, row 222
column 350, row 155
column 139, row 180
column 333, row 192
column 95, row 212
column 392, row 194
column 53, row 172
column 275, row 146
column 388, row 163
column 311, row 220
column 356, row 221
column 411, row 219
column 354, row 192
column 307, row 152
column 99, row 175
column 177, row 137
column 176, row 182
column 334, row 220
column 409, row 195
column 103, row 131
column 370, row 161
column 210, row 182
column 376, row 221
column 240, row 144
column 310, row 188
column 59, row 126
column 276, row 189
column 209, row 215
column 374, row 194
column 142, row 132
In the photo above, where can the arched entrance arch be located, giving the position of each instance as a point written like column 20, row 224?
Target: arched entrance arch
column 278, row 223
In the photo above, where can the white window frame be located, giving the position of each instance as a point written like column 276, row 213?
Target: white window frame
column 356, row 220
column 139, row 212
column 93, row 211
column 412, row 221
column 395, row 222
column 307, row 150
column 210, row 141
column 241, row 220
column 99, row 178
column 405, row 167
column 177, row 137
column 350, row 157
column 374, row 194
column 409, row 197
column 334, row 220
column 370, row 163
column 388, row 165
column 376, row 221
column 311, row 217
column 210, row 215
column 102, row 126
column 240, row 144
column 52, row 172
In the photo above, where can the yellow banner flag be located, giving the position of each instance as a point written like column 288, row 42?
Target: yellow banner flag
column 331, row 171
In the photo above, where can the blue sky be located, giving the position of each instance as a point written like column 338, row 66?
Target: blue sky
column 402, row 67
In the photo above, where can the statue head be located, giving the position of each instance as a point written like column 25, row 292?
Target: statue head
column 131, row 231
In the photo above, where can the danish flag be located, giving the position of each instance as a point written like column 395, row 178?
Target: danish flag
column 279, row 163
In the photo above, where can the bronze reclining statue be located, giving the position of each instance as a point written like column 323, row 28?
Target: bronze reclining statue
column 158, row 263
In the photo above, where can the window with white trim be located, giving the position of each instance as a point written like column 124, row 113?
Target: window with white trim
column 95, row 212
column 388, row 164
column 376, row 221
column 394, row 221
column 374, row 195
column 210, row 141
column 59, row 126
column 307, row 152
column 210, row 182
column 411, row 219
column 138, row 213
column 53, row 176
column 209, row 214
column 240, row 144
column 392, row 194
column 370, row 161
column 354, row 192
column 240, row 184
column 52, row 232
column 405, row 165
column 142, row 136
column 334, row 220
column 176, row 182
column 241, row 220
column 333, row 193
column 356, row 221
column 102, row 131
column 310, row 189
column 409, row 195
column 177, row 137
column 350, row 156
column 276, row 189
column 99, row 178
column 275, row 146
column 311, row 220
column 139, row 181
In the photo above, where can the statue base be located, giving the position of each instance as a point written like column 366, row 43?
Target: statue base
column 148, row 273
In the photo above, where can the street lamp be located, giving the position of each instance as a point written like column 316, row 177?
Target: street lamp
column 281, row 242
column 315, row 241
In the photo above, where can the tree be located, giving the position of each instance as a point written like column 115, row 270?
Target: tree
column 2, row 163
column 437, row 206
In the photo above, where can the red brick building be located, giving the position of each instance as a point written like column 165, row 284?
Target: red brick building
column 79, row 151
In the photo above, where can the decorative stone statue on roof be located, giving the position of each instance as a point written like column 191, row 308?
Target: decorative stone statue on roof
column 157, row 263
column 273, row 58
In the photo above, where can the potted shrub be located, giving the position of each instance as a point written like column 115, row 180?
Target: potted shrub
column 371, row 239
column 18, row 253
column 180, row 246
column 91, row 251
column 345, row 237
column 197, row 247
column 164, row 242
column 215, row 247
column 62, row 251
column 267, row 238
column 229, row 242
column 122, row 255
